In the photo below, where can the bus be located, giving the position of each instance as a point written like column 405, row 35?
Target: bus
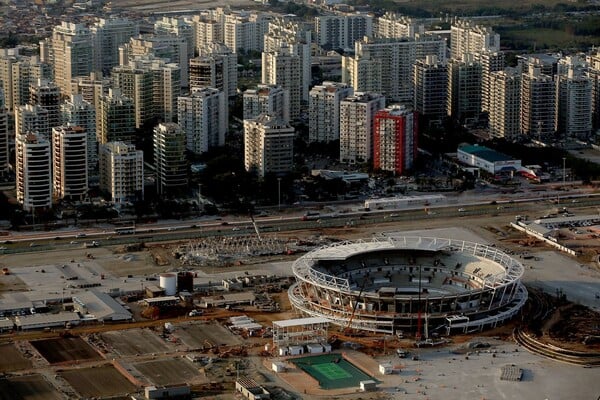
column 126, row 230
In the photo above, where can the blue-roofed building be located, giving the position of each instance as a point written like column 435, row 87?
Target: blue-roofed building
column 487, row 159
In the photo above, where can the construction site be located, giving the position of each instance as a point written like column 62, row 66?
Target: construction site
column 203, row 320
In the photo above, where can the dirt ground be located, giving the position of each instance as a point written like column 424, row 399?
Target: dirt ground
column 65, row 349
column 12, row 359
column 101, row 381
column 169, row 371
column 29, row 387
column 135, row 341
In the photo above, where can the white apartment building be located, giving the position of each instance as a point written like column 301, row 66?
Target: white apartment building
column 33, row 171
column 32, row 118
column 91, row 87
column 466, row 37
column 268, row 145
column 386, row 65
column 538, row 104
column 207, row 30
column 505, row 104
column 341, row 31
column 17, row 72
column 203, row 117
column 430, row 81
column 573, row 98
column 490, row 62
column 122, row 171
column 115, row 118
column 72, row 53
column 169, row 158
column 393, row 25
column 107, row 35
column 78, row 112
column 177, row 27
column 464, row 88
column 172, row 49
column 243, row 30
column 357, row 123
column 267, row 99
column 153, row 85
column 324, row 111
column 216, row 67
column 3, row 134
column 594, row 74
column 69, row 163
column 284, row 70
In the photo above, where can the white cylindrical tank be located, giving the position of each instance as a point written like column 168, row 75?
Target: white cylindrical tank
column 169, row 283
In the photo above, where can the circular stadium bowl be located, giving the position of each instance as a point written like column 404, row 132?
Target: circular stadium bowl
column 396, row 284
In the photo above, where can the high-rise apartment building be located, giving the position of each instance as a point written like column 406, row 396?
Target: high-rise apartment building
column 464, row 88
column 490, row 62
column 215, row 67
column 72, row 53
column 466, row 37
column 267, row 99
column 69, row 163
column 17, row 73
column 169, row 158
column 505, row 104
column 115, row 118
column 3, row 134
column 268, row 145
column 153, row 85
column 78, row 112
column 430, row 81
column 46, row 94
column 203, row 117
column 594, row 74
column 324, row 111
column 91, row 87
column 207, row 30
column 32, row 118
column 393, row 25
column 107, row 35
column 33, row 171
column 357, row 123
column 395, row 139
column 341, row 31
column 177, row 27
column 573, row 99
column 285, row 70
column 538, row 104
column 386, row 65
column 243, row 30
column 172, row 49
column 122, row 171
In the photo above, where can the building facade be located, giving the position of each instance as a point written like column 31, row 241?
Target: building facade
column 122, row 171
column 107, row 35
column 430, row 80
column 341, row 31
column 169, row 158
column 268, row 145
column 47, row 95
column 33, row 171
column 466, row 37
column 72, row 53
column 324, row 111
column 69, row 163
column 115, row 118
column 78, row 112
column 464, row 89
column 215, row 67
column 505, row 104
column 393, row 25
column 267, row 99
column 357, row 123
column 538, row 104
column 395, row 139
column 32, row 118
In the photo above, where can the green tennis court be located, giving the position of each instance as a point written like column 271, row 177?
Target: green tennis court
column 332, row 371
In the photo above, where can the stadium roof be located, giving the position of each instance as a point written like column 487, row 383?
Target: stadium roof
column 287, row 323
column 485, row 153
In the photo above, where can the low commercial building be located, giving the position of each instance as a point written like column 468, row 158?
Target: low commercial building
column 251, row 390
column 229, row 299
column 40, row 321
column 100, row 307
column 6, row 325
column 168, row 392
column 487, row 159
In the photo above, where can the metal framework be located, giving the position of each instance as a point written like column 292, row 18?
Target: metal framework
column 483, row 293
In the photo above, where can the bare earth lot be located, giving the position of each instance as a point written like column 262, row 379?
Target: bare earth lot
column 11, row 359
column 65, row 349
column 199, row 336
column 98, row 382
column 169, row 371
column 135, row 341
column 29, row 387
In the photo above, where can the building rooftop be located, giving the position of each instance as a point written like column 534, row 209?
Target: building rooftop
column 287, row 323
column 485, row 153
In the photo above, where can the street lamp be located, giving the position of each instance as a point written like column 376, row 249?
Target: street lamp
column 278, row 194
